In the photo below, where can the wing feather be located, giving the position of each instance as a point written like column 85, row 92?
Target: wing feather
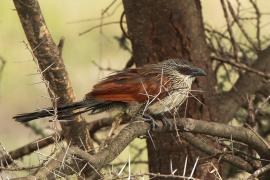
column 132, row 85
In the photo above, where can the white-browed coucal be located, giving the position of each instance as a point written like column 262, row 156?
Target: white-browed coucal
column 152, row 89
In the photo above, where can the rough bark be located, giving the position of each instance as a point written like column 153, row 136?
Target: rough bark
column 167, row 29
column 51, row 65
column 188, row 127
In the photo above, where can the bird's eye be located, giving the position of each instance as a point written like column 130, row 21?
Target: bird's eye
column 185, row 70
column 191, row 71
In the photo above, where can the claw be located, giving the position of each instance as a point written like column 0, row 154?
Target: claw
column 168, row 124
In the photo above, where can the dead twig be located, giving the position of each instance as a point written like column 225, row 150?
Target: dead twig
column 19, row 168
column 229, row 28
column 108, row 7
column 213, row 152
column 249, row 39
column 28, row 149
column 242, row 66
column 98, row 18
column 104, row 69
column 98, row 26
column 258, row 23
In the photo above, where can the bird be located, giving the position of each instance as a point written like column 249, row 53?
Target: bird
column 151, row 89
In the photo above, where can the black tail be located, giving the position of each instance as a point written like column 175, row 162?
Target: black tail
column 62, row 111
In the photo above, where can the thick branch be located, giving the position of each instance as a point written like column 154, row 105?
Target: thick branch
column 139, row 128
column 226, row 131
column 116, row 146
column 51, row 65
column 44, row 49
column 212, row 151
column 136, row 129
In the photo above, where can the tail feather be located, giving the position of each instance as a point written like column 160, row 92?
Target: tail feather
column 61, row 112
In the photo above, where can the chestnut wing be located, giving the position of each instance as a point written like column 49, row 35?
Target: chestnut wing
column 131, row 86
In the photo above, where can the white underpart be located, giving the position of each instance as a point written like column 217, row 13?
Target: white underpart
column 176, row 97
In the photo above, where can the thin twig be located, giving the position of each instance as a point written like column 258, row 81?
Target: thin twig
column 242, row 66
column 98, row 26
column 19, row 168
column 108, row 7
column 229, row 28
column 28, row 149
column 258, row 22
column 249, row 39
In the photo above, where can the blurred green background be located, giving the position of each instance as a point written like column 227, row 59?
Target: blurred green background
column 20, row 87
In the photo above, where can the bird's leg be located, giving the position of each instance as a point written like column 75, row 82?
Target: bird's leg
column 115, row 124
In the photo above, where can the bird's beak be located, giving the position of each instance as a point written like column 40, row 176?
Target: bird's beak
column 198, row 72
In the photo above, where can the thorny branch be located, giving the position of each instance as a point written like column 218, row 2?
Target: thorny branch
column 186, row 125
column 27, row 149
column 212, row 151
column 48, row 54
column 51, row 66
column 215, row 129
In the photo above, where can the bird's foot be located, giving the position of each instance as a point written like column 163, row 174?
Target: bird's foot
column 149, row 119
column 167, row 123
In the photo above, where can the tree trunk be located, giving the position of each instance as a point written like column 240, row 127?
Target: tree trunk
column 164, row 29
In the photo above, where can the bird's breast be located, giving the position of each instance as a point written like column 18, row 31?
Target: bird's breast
column 168, row 103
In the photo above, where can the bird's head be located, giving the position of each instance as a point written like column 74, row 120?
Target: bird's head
column 185, row 68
